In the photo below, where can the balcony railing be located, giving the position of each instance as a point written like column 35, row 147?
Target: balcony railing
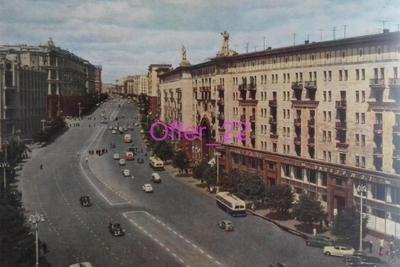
column 297, row 140
column 378, row 127
column 394, row 83
column 378, row 151
column 242, row 117
column 297, row 85
column 342, row 104
column 342, row 144
column 396, row 129
column 396, row 154
column 252, row 134
column 310, row 84
column 311, row 141
column 377, row 83
column 252, row 118
column 311, row 123
column 273, row 135
column 272, row 103
column 272, row 120
column 221, row 116
column 220, row 87
column 221, row 102
column 341, row 124
column 297, row 122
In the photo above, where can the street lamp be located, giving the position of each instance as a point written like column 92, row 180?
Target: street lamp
column 35, row 219
column 43, row 121
column 361, row 189
column 5, row 165
column 79, row 110
column 217, row 154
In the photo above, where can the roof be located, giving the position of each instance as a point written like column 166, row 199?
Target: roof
column 230, row 197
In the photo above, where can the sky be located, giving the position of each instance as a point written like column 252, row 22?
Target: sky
column 125, row 36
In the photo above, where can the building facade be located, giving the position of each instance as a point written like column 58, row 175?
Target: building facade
column 70, row 79
column 154, row 70
column 97, row 81
column 23, row 91
column 321, row 117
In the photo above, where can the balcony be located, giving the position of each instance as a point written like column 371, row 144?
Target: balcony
column 221, row 102
column 205, row 88
column 311, row 142
column 304, row 103
column 297, row 86
column 253, row 118
column 394, row 83
column 311, row 123
column 396, row 154
column 273, row 136
column 378, row 151
column 272, row 103
column 297, row 122
column 341, row 125
column 342, row 144
column 272, row 120
column 341, row 104
column 248, row 102
column 220, row 87
column 312, row 85
column 252, row 134
column 242, row 87
column 378, row 128
column 297, row 140
column 221, row 116
column 243, row 117
column 377, row 84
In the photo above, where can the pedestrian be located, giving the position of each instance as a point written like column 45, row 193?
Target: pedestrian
column 314, row 230
column 370, row 244
column 41, row 166
column 44, row 247
column 381, row 243
column 87, row 159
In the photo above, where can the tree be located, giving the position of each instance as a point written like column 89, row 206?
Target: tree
column 164, row 150
column 181, row 161
column 308, row 210
column 248, row 187
column 347, row 226
column 199, row 169
column 210, row 176
column 279, row 198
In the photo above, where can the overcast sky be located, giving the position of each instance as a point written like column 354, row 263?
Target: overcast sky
column 125, row 36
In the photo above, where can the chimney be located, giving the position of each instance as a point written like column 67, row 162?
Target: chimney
column 306, row 42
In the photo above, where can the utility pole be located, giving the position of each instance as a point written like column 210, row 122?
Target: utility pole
column 217, row 154
column 35, row 219
column 344, row 30
column 334, row 33
column 361, row 189
column 247, row 47
column 79, row 110
column 320, row 33
column 294, row 39
column 5, row 165
column 265, row 40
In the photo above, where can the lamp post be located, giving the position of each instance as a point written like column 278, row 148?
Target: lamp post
column 217, row 154
column 5, row 165
column 361, row 189
column 35, row 219
column 43, row 121
column 79, row 110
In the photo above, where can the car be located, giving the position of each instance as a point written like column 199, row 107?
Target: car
column 116, row 229
column 113, row 131
column 115, row 156
column 129, row 156
column 126, row 172
column 122, row 162
column 339, row 251
column 82, row 264
column 319, row 241
column 131, row 149
column 365, row 258
column 110, row 127
column 140, row 160
column 85, row 201
column 136, row 124
column 226, row 225
column 156, row 178
column 18, row 167
column 142, row 131
column 147, row 188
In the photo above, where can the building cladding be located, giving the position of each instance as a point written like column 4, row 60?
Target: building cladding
column 154, row 70
column 321, row 117
column 23, row 91
column 70, row 79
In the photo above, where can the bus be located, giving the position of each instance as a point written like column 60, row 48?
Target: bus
column 156, row 163
column 231, row 204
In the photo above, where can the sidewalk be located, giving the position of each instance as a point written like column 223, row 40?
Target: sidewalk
column 287, row 225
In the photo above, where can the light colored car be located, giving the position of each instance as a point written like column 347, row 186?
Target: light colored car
column 126, row 172
column 339, row 251
column 115, row 156
column 155, row 177
column 147, row 188
column 110, row 128
column 142, row 131
column 113, row 131
column 122, row 162
column 82, row 264
column 226, row 225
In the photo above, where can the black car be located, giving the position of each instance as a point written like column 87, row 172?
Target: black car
column 116, row 229
column 319, row 241
column 365, row 258
column 85, row 201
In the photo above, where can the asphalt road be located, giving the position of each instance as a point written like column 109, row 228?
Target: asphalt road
column 174, row 226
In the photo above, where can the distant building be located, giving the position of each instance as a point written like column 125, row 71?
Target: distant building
column 70, row 79
column 97, row 80
column 153, row 73
column 23, row 91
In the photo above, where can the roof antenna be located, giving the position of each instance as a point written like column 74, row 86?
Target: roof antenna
column 344, row 30
column 320, row 31
column 383, row 24
column 334, row 33
column 294, row 39
column 265, row 41
column 247, row 47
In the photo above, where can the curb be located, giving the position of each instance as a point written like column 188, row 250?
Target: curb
column 285, row 228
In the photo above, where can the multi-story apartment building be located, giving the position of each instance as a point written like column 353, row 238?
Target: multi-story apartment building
column 70, row 79
column 97, row 81
column 135, row 85
column 23, row 91
column 322, row 117
column 154, row 70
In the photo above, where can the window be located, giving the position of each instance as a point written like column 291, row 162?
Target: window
column 362, row 74
column 329, row 136
column 324, row 178
column 329, row 116
column 340, row 75
column 329, row 156
column 274, row 147
column 357, row 96
column 346, row 75
column 329, row 96
column 342, row 158
column 324, row 136
column 357, row 74
column 357, row 161
column 312, row 176
column 324, row 115
column 286, row 170
column 363, row 140
column 362, row 118
column 298, row 174
column 324, row 155
column 324, row 75
column 363, row 96
column 330, row 75
column 324, row 96
column 362, row 162
column 357, row 118
column 357, row 139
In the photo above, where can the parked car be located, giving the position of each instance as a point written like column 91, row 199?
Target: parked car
column 113, row 131
column 82, row 264
column 115, row 156
column 85, row 201
column 339, row 251
column 122, row 162
column 147, row 188
column 319, row 241
column 365, row 258
column 126, row 172
column 116, row 229
column 226, row 225
column 129, row 156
